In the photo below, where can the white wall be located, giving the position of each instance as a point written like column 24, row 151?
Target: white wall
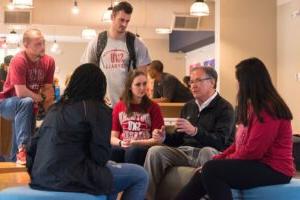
column 247, row 29
column 288, row 59
column 174, row 63
column 199, row 56
column 69, row 59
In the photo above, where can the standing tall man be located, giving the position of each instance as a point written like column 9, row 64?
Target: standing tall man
column 29, row 81
column 117, row 51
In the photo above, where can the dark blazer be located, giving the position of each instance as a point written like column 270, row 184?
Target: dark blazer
column 216, row 125
column 71, row 149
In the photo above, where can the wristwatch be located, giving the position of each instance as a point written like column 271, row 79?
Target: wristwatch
column 120, row 143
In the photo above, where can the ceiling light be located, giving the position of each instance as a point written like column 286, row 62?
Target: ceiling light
column 10, row 5
column 116, row 2
column 163, row 30
column 88, row 33
column 23, row 4
column 13, row 37
column 55, row 48
column 75, row 8
column 199, row 8
column 106, row 17
column 4, row 45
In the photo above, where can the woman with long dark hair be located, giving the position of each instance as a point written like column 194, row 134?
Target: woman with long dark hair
column 137, row 122
column 71, row 150
column 262, row 152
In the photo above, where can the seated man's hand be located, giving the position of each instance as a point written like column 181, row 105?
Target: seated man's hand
column 185, row 126
column 159, row 134
column 48, row 93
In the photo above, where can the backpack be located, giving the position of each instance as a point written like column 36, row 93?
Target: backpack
column 130, row 37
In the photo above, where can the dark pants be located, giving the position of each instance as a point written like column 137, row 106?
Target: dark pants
column 219, row 176
column 134, row 155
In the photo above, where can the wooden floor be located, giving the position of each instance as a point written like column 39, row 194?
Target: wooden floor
column 12, row 174
column 6, row 167
column 13, row 179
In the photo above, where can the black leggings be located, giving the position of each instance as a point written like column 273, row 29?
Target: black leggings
column 135, row 155
column 219, row 176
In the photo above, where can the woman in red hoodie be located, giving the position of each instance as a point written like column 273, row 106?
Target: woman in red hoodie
column 262, row 152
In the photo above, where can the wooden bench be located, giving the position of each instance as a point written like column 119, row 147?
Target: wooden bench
column 171, row 109
column 8, row 167
column 5, row 136
column 13, row 179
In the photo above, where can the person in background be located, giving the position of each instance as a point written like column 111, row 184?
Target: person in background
column 205, row 127
column 167, row 88
column 186, row 81
column 117, row 52
column 262, row 152
column 137, row 122
column 70, row 152
column 56, row 89
column 4, row 69
column 29, row 82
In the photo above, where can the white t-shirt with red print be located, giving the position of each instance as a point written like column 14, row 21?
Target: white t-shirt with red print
column 138, row 126
column 114, row 63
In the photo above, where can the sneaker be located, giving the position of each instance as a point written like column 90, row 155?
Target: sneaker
column 21, row 156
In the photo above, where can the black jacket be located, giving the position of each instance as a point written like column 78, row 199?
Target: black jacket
column 216, row 125
column 71, row 149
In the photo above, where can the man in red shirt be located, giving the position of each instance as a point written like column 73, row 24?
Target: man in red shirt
column 28, row 82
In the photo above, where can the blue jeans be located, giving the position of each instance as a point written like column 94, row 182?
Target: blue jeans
column 129, row 178
column 20, row 112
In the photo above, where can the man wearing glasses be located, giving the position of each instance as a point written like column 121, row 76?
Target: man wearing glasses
column 206, row 126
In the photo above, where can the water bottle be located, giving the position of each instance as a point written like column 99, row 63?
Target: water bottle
column 57, row 93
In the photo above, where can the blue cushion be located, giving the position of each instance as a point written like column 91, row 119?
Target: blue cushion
column 289, row 191
column 26, row 193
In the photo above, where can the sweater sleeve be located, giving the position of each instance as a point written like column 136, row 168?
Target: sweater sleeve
column 225, row 153
column 116, row 126
column 260, row 136
column 156, row 117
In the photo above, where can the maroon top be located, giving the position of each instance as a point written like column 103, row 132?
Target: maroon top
column 269, row 142
column 22, row 71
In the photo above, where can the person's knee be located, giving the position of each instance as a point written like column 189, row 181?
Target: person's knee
column 141, row 174
column 27, row 102
column 209, row 169
column 156, row 151
column 206, row 154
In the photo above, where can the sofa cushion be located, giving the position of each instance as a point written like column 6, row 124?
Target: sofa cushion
column 177, row 177
column 289, row 191
column 174, row 180
column 26, row 193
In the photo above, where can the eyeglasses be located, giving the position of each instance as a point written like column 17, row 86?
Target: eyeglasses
column 198, row 80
